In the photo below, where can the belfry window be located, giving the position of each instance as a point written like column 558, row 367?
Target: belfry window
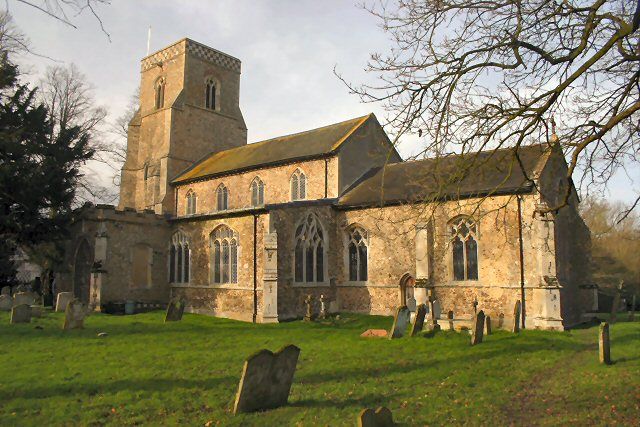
column 222, row 195
column 310, row 252
column 257, row 192
column 179, row 259
column 210, row 94
column 464, row 245
column 224, row 255
column 298, row 185
column 191, row 198
column 357, row 254
column 159, row 93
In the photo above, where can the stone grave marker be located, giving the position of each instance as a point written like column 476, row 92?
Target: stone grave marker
column 308, row 301
column 6, row 291
column 266, row 380
column 516, row 317
column 434, row 314
column 381, row 417
column 418, row 321
column 6, row 302
column 175, row 310
column 450, row 317
column 64, row 298
column 74, row 315
column 37, row 310
column 24, row 298
column 633, row 308
column 604, row 345
column 400, row 322
column 500, row 320
column 323, row 307
column 487, row 323
column 20, row 314
column 477, row 333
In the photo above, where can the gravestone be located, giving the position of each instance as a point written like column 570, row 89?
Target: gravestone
column 500, row 320
column 381, row 417
column 633, row 308
column 450, row 317
column 400, row 322
column 175, row 310
column 418, row 321
column 64, row 298
column 20, row 314
column 323, row 307
column 411, row 304
column 36, row 310
column 6, row 291
column 74, row 315
column 266, row 380
column 308, row 301
column 24, row 298
column 604, row 345
column 487, row 323
column 516, row 317
column 477, row 333
column 6, row 302
column 434, row 314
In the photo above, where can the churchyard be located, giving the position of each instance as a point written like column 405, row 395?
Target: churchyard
column 145, row 371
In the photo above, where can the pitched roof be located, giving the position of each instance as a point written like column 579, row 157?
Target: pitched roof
column 453, row 176
column 308, row 144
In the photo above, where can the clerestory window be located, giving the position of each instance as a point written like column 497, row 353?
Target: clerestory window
column 222, row 196
column 257, row 192
column 298, row 185
column 190, row 208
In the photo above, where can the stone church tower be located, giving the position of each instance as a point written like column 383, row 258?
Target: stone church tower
column 189, row 108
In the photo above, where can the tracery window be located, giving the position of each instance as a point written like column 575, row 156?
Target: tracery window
column 159, row 93
column 464, row 248
column 190, row 208
column 298, row 185
column 257, row 192
column 310, row 251
column 224, row 255
column 222, row 194
column 210, row 94
column 357, row 254
column 179, row 259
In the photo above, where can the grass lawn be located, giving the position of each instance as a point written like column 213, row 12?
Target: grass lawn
column 148, row 372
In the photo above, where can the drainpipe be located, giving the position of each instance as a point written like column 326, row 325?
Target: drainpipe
column 175, row 192
column 255, row 268
column 521, row 259
column 326, row 178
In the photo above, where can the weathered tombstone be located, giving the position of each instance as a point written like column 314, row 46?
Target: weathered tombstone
column 23, row 298
column 6, row 291
column 323, row 307
column 487, row 323
column 20, row 314
column 450, row 317
column 516, row 318
column 411, row 304
column 477, row 334
column 74, row 315
column 308, row 301
column 175, row 310
column 381, row 417
column 266, row 380
column 500, row 320
column 604, row 345
column 633, row 308
column 64, row 298
column 418, row 321
column 36, row 310
column 434, row 314
column 6, row 302
column 400, row 322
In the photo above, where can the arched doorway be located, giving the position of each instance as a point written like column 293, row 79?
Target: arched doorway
column 82, row 271
column 407, row 283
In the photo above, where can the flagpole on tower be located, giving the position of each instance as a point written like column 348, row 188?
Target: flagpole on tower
column 148, row 40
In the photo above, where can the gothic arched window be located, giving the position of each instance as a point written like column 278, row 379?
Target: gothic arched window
column 257, row 192
column 298, row 185
column 159, row 93
column 222, row 195
column 179, row 259
column 210, row 94
column 310, row 251
column 357, row 254
column 224, row 255
column 464, row 245
column 191, row 203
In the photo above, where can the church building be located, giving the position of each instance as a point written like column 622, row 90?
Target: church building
column 247, row 231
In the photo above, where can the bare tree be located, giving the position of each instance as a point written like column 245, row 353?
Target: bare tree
column 12, row 40
column 476, row 75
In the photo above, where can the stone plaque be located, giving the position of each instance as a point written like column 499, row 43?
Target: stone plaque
column 516, row 317
column 64, row 298
column 6, row 302
column 266, row 380
column 477, row 333
column 74, row 315
column 381, row 417
column 24, row 298
column 604, row 344
column 400, row 322
column 175, row 310
column 418, row 321
column 20, row 314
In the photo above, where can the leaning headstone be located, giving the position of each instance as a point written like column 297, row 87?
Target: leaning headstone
column 6, row 302
column 633, row 308
column 64, row 298
column 266, row 380
column 323, row 307
column 20, row 314
column 516, row 317
column 487, row 323
column 74, row 315
column 6, row 291
column 23, row 298
column 603, row 341
column 418, row 321
column 450, row 317
column 308, row 301
column 477, row 333
column 175, row 310
column 400, row 322
column 434, row 314
column 381, row 417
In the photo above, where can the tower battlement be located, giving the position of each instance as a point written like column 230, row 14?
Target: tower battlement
column 191, row 48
